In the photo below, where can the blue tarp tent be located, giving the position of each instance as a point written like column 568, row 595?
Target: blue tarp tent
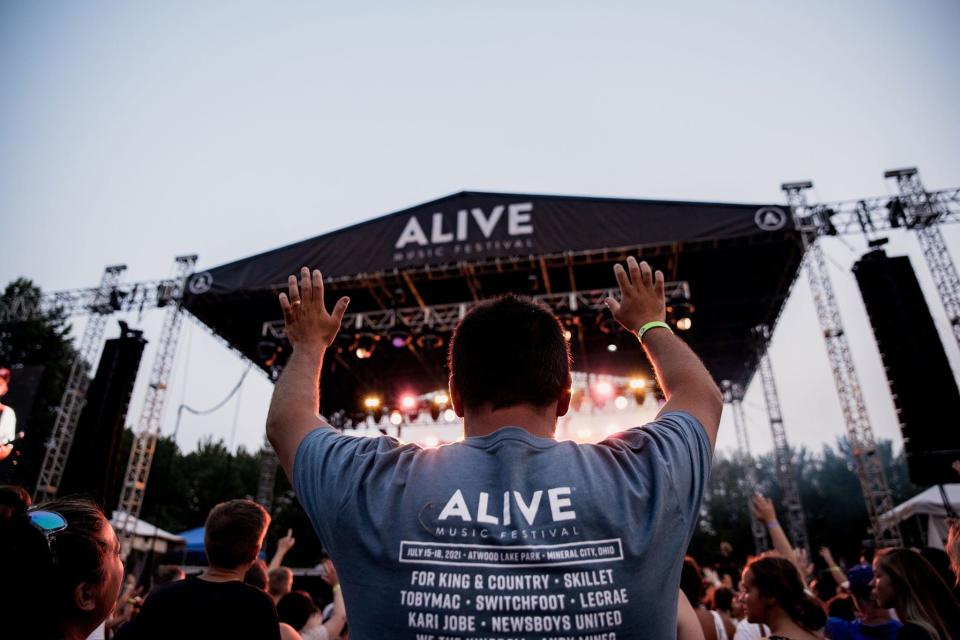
column 195, row 554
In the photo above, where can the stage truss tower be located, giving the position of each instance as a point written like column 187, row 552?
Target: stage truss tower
column 268, row 475
column 873, row 480
column 75, row 393
column 148, row 427
column 783, row 457
column 923, row 215
column 733, row 395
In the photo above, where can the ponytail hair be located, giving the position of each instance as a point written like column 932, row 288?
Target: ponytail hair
column 779, row 579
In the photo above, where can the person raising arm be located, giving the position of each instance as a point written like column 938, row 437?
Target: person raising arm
column 295, row 407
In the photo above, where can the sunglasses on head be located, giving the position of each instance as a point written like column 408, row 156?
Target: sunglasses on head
column 49, row 523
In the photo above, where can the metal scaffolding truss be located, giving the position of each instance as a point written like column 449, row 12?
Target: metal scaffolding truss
column 873, row 479
column 75, row 394
column 783, row 457
column 150, row 423
column 444, row 317
column 923, row 214
column 733, row 395
column 268, row 475
column 117, row 296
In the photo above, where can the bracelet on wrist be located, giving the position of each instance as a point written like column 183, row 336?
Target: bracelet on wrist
column 336, row 587
column 652, row 325
column 773, row 524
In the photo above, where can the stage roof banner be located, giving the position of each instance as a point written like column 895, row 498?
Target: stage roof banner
column 474, row 226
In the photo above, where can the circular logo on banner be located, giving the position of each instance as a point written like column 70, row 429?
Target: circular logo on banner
column 771, row 218
column 200, row 283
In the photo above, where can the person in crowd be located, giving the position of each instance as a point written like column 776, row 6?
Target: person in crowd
column 872, row 622
column 297, row 609
column 773, row 594
column 691, row 583
column 510, row 380
column 284, row 545
column 721, row 604
column 61, row 572
column 905, row 581
column 216, row 603
column 279, row 583
column 953, row 550
column 841, row 606
column 258, row 576
column 762, row 509
column 688, row 624
column 726, row 567
column 8, row 418
column 167, row 573
column 940, row 561
column 14, row 502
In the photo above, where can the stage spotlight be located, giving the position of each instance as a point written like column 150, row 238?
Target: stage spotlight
column 603, row 388
column 429, row 341
column 620, row 402
column 611, row 347
column 440, row 398
column 450, row 415
column 408, row 402
column 395, row 418
column 567, row 334
column 638, row 383
column 371, row 402
column 400, row 339
column 431, row 441
column 681, row 313
column 364, row 345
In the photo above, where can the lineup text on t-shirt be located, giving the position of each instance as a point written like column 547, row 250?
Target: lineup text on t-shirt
column 512, row 575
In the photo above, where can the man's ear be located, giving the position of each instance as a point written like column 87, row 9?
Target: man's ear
column 563, row 403
column 85, row 596
column 455, row 400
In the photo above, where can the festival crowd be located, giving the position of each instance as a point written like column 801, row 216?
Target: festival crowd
column 507, row 534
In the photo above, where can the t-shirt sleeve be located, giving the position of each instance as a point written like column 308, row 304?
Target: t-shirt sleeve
column 683, row 447
column 326, row 470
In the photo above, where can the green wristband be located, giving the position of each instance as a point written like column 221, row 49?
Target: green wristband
column 652, row 325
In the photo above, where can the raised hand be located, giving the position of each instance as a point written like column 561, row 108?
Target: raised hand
column 330, row 573
column 286, row 543
column 762, row 509
column 308, row 324
column 641, row 295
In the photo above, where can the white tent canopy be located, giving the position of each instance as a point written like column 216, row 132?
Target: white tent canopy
column 928, row 503
column 146, row 536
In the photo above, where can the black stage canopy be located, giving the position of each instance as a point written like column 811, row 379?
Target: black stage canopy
column 411, row 274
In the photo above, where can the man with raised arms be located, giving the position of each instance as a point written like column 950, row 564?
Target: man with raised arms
column 606, row 523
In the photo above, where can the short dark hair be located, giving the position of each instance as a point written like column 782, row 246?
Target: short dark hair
column 723, row 599
column 509, row 351
column 295, row 608
column 256, row 575
column 233, row 533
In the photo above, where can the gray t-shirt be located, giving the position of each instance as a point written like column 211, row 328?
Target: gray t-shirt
column 508, row 535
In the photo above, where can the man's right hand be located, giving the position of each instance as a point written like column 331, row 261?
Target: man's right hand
column 641, row 296
column 308, row 324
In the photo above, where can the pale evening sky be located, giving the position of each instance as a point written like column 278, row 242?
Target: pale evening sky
column 133, row 132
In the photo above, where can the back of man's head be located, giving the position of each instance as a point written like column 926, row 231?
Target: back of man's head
column 280, row 581
column 234, row 532
column 507, row 352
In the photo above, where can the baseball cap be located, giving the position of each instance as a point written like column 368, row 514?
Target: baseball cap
column 860, row 578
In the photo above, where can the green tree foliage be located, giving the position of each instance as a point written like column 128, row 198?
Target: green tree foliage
column 44, row 341
column 829, row 491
